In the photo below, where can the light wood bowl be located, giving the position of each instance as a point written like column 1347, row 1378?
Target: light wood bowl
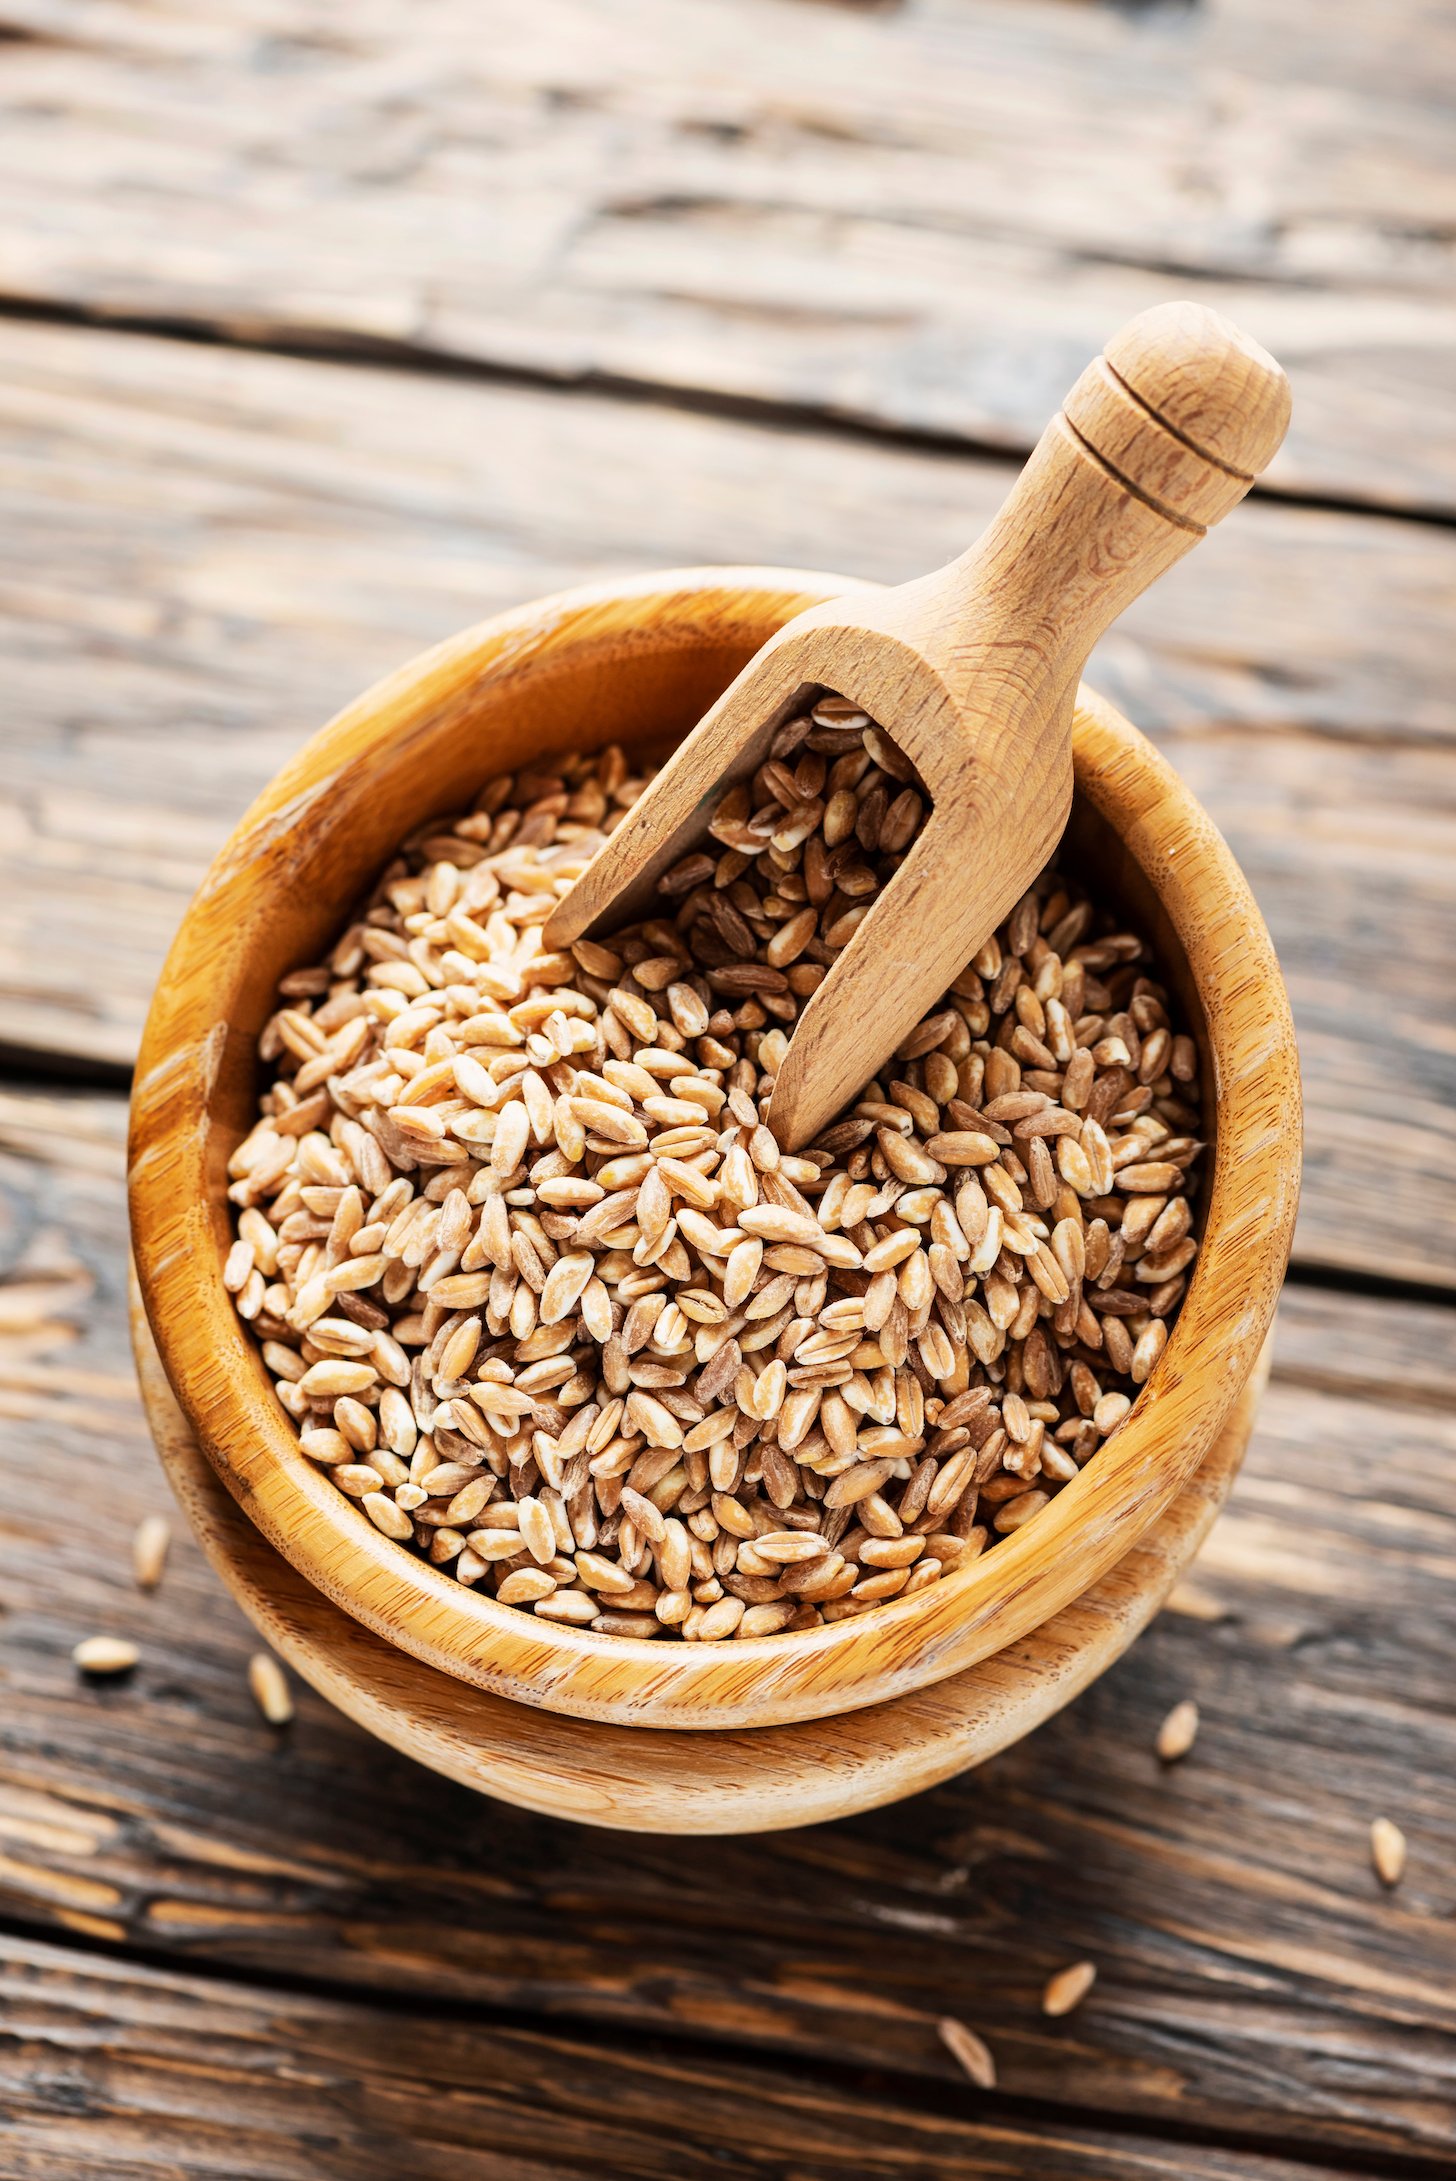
column 749, row 1780
column 638, row 663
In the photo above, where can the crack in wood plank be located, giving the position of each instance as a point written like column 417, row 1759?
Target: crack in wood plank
column 925, row 218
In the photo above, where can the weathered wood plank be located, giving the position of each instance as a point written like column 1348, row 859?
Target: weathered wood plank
column 1253, row 1974
column 203, row 553
column 109, row 2069
column 925, row 216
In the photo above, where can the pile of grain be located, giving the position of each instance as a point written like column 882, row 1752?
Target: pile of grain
column 539, row 1288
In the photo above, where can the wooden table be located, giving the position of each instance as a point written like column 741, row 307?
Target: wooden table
column 327, row 331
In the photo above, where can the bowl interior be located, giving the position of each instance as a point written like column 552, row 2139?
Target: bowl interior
column 343, row 830
column 579, row 704
column 639, row 665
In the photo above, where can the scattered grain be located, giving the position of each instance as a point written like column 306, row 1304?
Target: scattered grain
column 1387, row 1851
column 971, row 2052
column 270, row 1688
column 1068, row 1988
column 1178, row 1732
column 150, row 1540
column 105, row 1655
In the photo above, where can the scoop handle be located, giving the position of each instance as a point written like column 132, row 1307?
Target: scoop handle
column 1157, row 440
column 1161, row 435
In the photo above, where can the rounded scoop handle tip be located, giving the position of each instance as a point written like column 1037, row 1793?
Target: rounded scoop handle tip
column 1207, row 381
column 1160, row 437
column 1184, row 408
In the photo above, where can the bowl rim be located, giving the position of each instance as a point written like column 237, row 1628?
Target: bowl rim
column 217, row 1373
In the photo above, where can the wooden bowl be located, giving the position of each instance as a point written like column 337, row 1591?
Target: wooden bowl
column 749, row 1780
column 637, row 663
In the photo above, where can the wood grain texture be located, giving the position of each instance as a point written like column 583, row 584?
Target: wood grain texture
column 625, row 659
column 973, row 670
column 711, row 1782
column 204, row 554
column 925, row 217
column 918, row 218
column 141, row 2074
column 1253, row 1975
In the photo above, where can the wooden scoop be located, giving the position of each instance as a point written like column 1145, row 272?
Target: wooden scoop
column 973, row 671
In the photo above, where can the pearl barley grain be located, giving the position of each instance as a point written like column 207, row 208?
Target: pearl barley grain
column 270, row 1689
column 542, row 1294
column 1178, row 1732
column 149, row 1545
column 972, row 2053
column 105, row 1655
column 1387, row 1850
column 1068, row 1988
